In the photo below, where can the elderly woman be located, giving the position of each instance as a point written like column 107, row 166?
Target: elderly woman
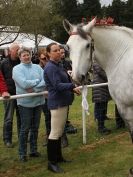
column 28, row 78
column 59, row 98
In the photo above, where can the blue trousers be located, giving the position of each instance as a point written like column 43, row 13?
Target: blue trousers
column 30, row 120
column 47, row 115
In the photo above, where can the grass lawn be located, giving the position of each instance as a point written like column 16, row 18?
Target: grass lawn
column 102, row 156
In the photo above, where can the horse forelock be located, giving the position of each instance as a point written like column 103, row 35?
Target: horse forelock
column 81, row 32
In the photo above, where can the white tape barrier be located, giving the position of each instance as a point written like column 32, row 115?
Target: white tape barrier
column 45, row 93
column 85, row 105
column 84, row 88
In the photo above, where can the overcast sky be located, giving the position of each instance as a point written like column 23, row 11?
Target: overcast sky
column 103, row 2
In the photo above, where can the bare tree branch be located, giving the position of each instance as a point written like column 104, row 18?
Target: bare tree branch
column 9, row 42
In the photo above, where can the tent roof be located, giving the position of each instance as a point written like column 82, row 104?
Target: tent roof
column 27, row 40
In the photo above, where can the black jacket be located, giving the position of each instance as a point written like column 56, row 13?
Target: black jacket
column 6, row 67
column 99, row 94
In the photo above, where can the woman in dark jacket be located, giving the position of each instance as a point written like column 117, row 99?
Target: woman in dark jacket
column 100, row 96
column 60, row 96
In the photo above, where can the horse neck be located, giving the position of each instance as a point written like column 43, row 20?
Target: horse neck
column 110, row 46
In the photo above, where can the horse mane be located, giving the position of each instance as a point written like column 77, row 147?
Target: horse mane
column 84, row 35
column 126, row 30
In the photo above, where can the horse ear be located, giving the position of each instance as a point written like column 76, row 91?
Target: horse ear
column 68, row 26
column 90, row 25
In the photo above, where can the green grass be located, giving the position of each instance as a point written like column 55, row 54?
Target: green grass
column 102, row 156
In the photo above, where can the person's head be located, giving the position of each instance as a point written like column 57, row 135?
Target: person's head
column 53, row 51
column 25, row 55
column 62, row 51
column 43, row 57
column 13, row 51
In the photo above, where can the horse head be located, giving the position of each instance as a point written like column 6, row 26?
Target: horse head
column 79, row 45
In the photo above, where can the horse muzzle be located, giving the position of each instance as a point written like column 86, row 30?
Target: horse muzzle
column 80, row 79
column 130, row 172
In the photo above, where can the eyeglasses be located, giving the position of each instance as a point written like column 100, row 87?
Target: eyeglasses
column 62, row 52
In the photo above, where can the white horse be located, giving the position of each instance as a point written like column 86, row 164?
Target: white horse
column 114, row 52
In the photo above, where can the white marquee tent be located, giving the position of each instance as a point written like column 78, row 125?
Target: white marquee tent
column 27, row 40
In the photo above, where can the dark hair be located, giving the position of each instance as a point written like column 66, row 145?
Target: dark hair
column 48, row 48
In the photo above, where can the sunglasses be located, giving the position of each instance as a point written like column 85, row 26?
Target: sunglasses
column 44, row 58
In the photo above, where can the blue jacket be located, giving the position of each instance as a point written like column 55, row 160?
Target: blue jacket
column 29, row 76
column 59, row 86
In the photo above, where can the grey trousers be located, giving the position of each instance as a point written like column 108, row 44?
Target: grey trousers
column 10, row 106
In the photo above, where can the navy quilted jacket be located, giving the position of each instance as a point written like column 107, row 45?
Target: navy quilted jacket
column 58, row 84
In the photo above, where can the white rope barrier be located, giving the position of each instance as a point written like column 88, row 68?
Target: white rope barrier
column 94, row 85
column 45, row 93
column 85, row 105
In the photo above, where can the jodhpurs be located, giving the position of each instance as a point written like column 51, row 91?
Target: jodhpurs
column 58, row 120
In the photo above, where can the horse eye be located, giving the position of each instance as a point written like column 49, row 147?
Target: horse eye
column 88, row 45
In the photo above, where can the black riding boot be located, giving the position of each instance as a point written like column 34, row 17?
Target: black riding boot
column 59, row 153
column 52, row 149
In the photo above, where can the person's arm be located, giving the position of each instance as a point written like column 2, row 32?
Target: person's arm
column 41, row 85
column 19, row 77
column 3, row 87
column 55, row 80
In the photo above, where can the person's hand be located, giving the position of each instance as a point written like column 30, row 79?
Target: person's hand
column 6, row 95
column 29, row 90
column 69, row 73
column 77, row 91
column 37, row 81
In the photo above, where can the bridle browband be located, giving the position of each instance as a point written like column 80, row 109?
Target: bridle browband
column 76, row 33
column 73, row 33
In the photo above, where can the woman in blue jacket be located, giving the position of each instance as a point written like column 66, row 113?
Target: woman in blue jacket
column 28, row 78
column 60, row 96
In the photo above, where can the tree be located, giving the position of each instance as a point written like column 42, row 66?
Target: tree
column 65, row 9
column 128, row 15
column 116, row 11
column 91, row 8
column 70, row 11
column 7, row 22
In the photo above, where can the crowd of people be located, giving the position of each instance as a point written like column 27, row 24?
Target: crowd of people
column 21, row 73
